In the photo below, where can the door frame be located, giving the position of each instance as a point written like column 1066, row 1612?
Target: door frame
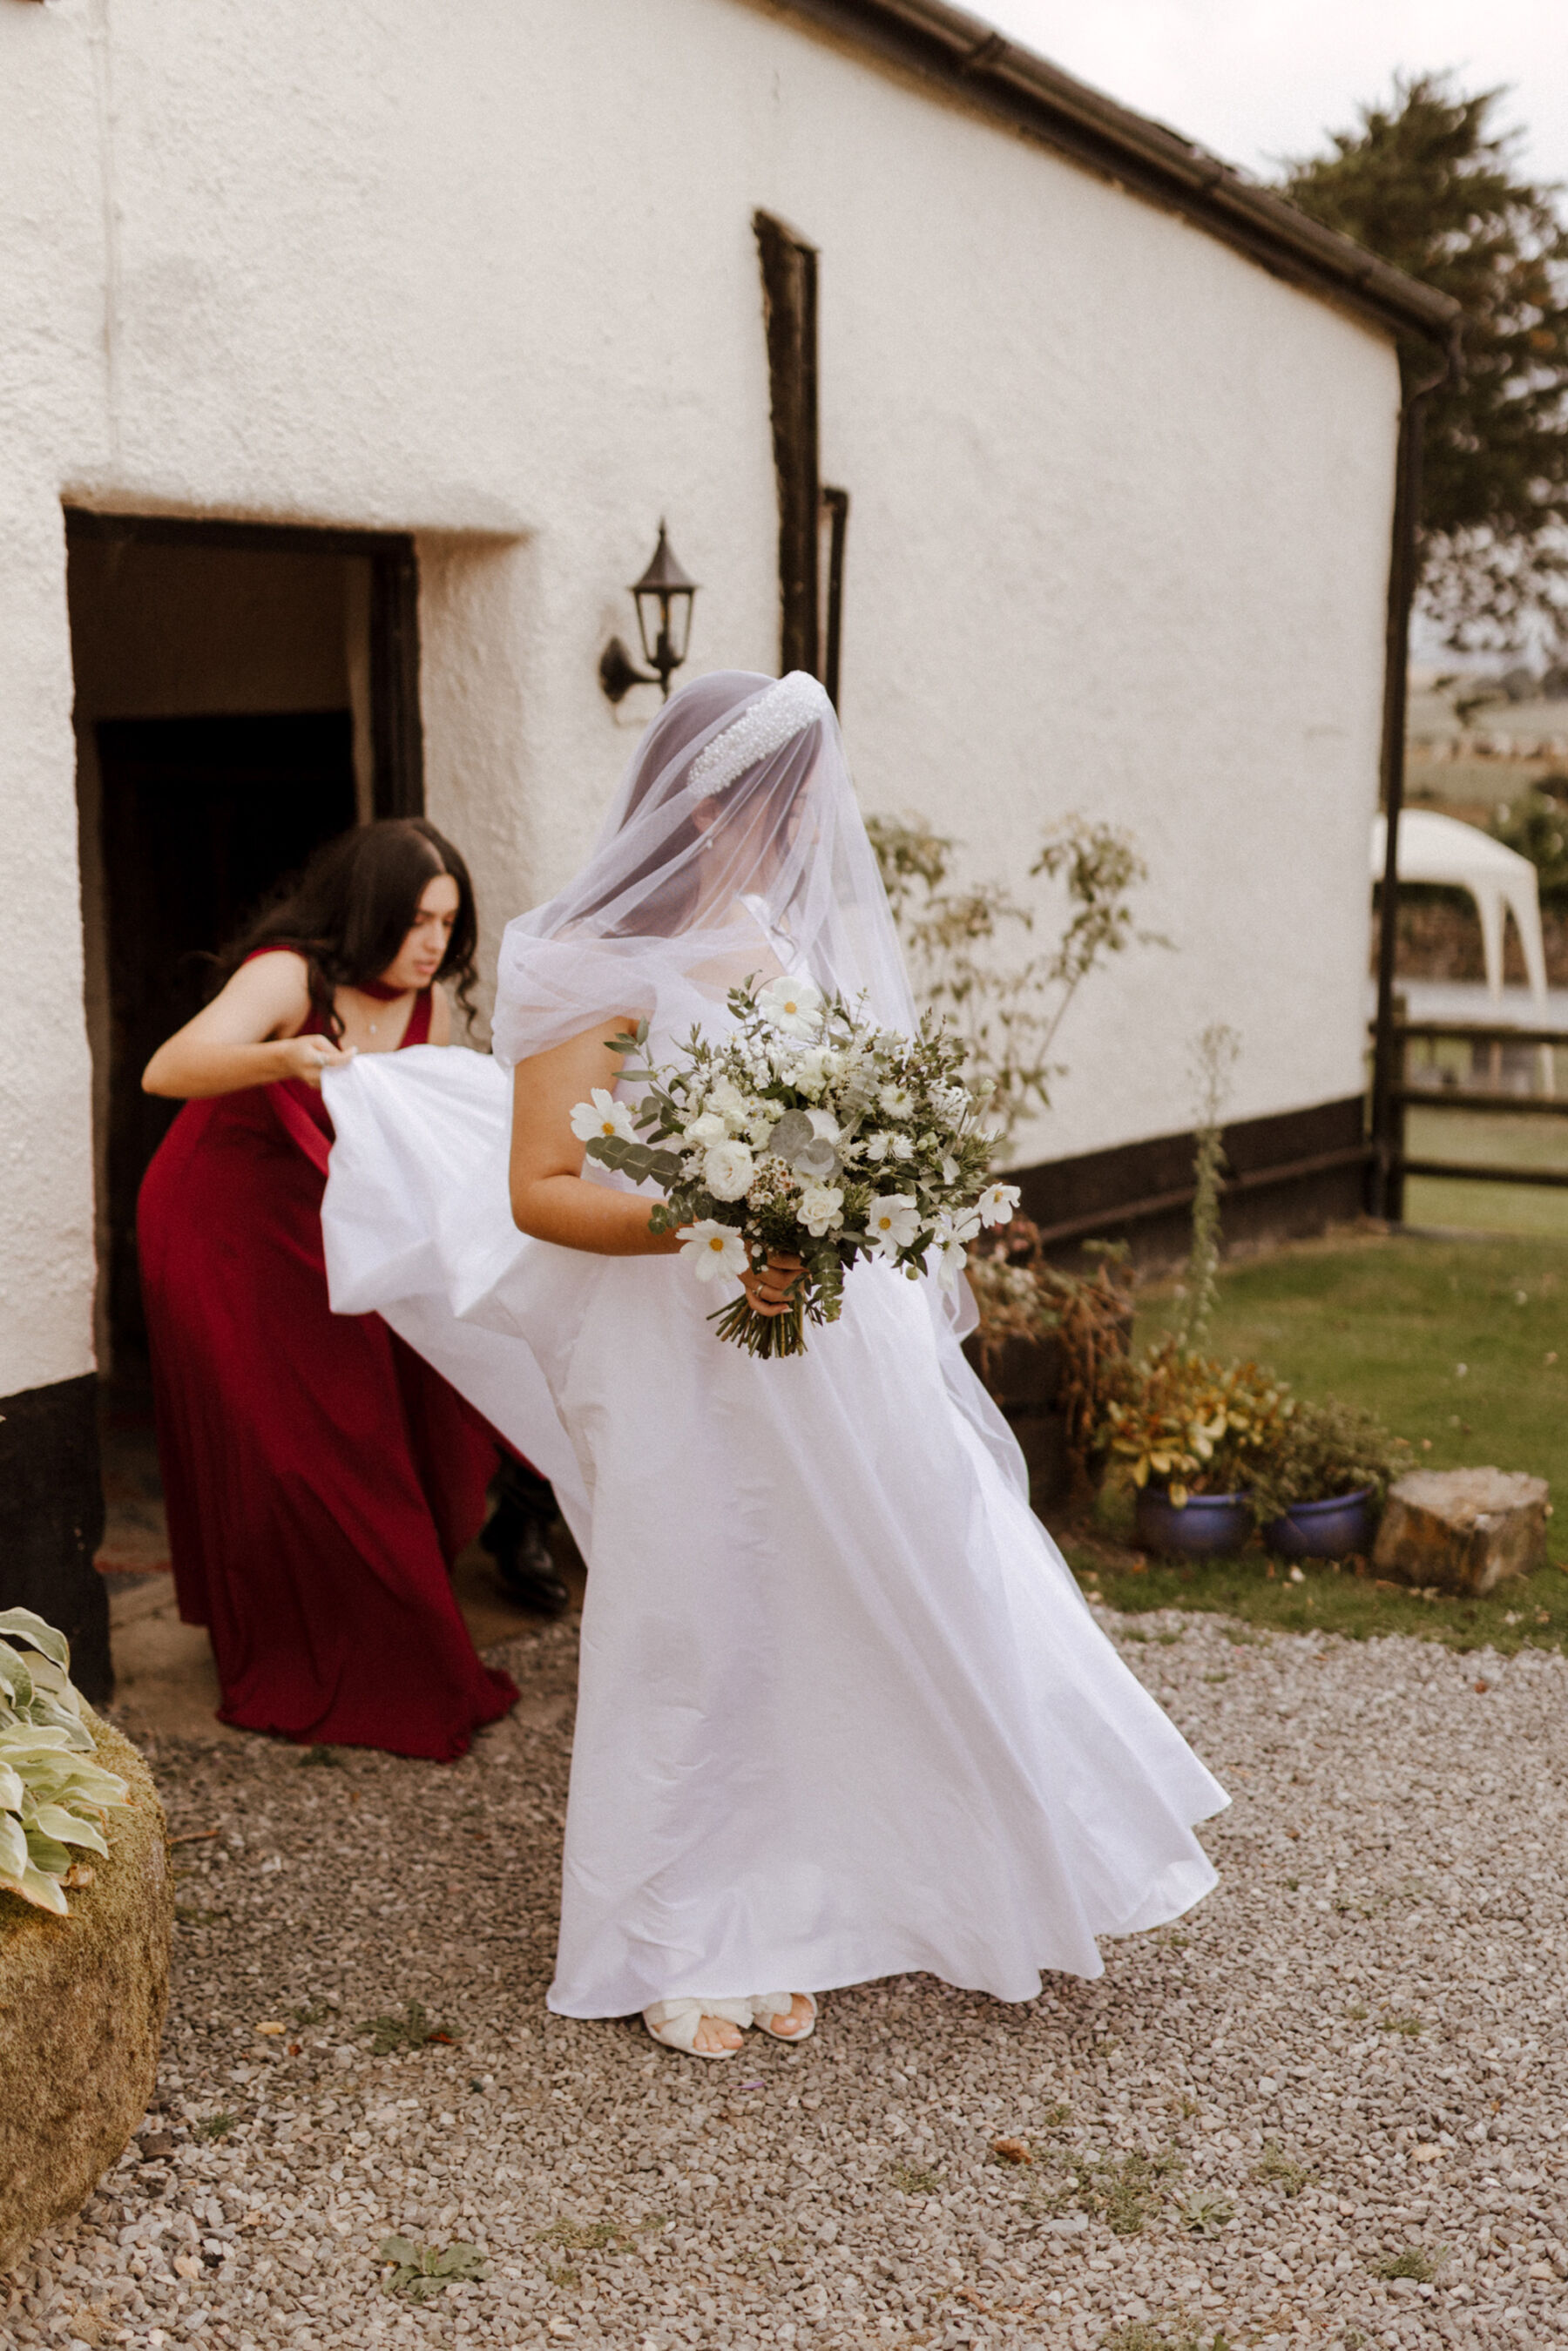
column 397, row 733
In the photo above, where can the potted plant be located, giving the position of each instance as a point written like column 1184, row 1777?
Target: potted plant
column 1046, row 1345
column 1319, row 1484
column 1190, row 1433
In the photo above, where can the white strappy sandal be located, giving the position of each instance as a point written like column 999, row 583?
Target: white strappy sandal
column 674, row 2022
column 768, row 2004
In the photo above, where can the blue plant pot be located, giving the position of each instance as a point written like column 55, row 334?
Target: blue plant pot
column 1332, row 1529
column 1207, row 1526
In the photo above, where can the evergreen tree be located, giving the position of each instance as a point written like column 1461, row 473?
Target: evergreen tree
column 1429, row 184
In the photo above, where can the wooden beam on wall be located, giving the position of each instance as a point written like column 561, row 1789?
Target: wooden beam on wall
column 789, row 310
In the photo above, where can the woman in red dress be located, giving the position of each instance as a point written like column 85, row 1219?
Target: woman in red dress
column 320, row 1477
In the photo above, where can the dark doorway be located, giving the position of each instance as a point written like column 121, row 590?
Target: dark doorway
column 242, row 693
column 203, row 819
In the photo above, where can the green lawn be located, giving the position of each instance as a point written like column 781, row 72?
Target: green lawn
column 1491, row 1138
column 1461, row 1346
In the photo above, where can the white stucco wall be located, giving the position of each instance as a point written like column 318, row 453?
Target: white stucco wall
column 1121, row 499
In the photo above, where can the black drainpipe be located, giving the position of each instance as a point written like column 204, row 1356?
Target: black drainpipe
column 1385, row 1177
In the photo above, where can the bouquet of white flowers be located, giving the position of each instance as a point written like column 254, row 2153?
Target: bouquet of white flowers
column 804, row 1133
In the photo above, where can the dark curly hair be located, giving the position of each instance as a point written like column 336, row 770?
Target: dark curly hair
column 353, row 906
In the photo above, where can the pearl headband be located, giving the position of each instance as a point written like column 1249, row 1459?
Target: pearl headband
column 764, row 726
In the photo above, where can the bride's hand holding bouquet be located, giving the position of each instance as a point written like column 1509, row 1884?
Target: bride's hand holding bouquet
column 806, row 1138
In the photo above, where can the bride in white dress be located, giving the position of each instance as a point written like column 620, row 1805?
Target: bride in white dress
column 843, row 1711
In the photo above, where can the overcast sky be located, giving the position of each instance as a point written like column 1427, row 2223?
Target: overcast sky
column 1257, row 79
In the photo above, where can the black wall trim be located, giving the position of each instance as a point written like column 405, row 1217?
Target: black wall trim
column 51, row 1521
column 1291, row 1175
column 1011, row 83
column 789, row 312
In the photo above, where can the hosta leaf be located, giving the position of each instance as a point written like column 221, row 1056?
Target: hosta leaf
column 13, row 1847
column 34, row 1886
column 55, row 1822
column 20, row 1624
column 46, row 1852
column 15, row 1679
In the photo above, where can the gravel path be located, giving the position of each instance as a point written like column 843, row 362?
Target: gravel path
column 1350, row 2061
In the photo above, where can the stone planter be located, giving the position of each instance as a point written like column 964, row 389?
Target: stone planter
column 81, row 2015
column 1207, row 1526
column 1333, row 1528
column 1024, row 1380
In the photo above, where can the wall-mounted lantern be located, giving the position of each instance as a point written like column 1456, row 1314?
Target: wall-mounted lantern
column 663, row 600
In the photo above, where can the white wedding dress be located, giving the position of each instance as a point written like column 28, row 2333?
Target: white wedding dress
column 842, row 1712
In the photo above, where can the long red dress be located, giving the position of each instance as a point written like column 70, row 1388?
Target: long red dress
column 320, row 1477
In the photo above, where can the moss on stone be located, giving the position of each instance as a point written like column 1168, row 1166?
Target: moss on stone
column 82, row 2002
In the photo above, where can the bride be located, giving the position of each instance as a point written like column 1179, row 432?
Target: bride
column 843, row 1711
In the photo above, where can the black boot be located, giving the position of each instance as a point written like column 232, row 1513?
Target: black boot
column 514, row 1536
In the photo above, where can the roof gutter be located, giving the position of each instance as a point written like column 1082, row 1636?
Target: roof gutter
column 981, row 65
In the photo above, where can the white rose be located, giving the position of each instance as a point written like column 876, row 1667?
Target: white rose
column 820, row 1209
column 727, row 1170
column 709, row 1127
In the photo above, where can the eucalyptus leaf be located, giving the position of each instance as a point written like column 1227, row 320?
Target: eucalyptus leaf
column 790, row 1135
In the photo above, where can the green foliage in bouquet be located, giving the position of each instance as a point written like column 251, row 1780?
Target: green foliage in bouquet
column 1191, row 1424
column 1320, row 1450
column 54, row 1793
column 804, row 1133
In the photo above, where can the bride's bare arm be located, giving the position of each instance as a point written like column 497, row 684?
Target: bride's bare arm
column 550, row 1198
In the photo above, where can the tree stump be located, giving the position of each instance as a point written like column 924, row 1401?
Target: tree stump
column 81, row 2015
column 1462, row 1529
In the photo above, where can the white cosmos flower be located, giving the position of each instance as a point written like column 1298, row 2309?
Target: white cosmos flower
column 709, row 1127
column 602, row 1114
column 820, row 1209
column 893, row 1221
column 793, row 1004
column 946, row 1261
column 996, row 1203
column 897, row 1101
column 727, row 1170
column 713, row 1248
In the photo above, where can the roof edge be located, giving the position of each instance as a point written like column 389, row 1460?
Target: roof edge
column 985, row 67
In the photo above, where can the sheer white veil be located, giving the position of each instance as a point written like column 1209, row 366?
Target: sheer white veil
column 734, row 846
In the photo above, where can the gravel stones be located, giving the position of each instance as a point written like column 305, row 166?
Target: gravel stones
column 1329, row 2105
